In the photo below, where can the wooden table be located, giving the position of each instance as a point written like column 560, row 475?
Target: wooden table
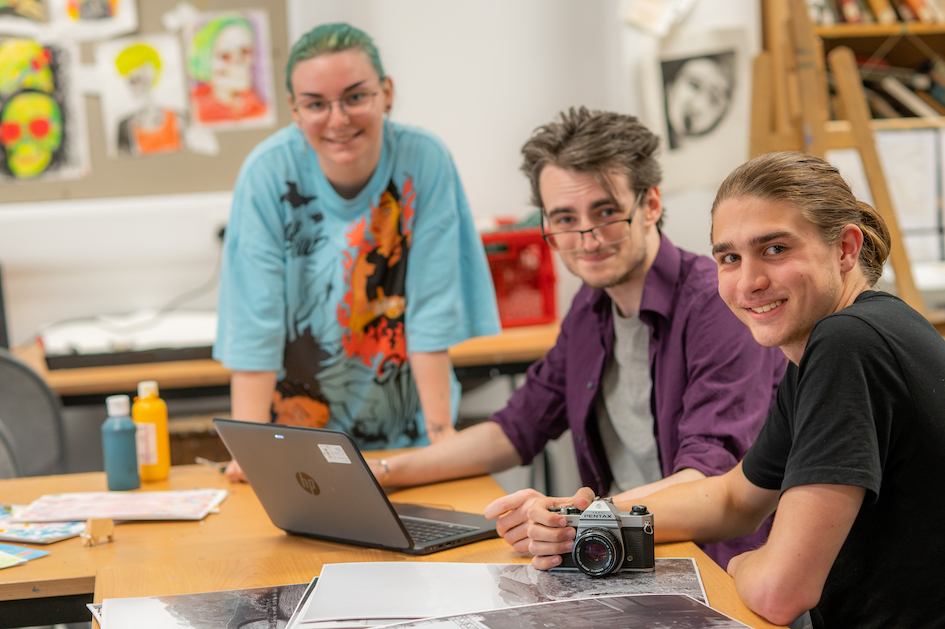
column 238, row 547
column 511, row 351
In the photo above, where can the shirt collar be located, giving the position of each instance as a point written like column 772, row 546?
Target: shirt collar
column 660, row 284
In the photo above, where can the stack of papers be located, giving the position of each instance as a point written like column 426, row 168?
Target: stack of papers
column 34, row 533
column 375, row 594
column 187, row 504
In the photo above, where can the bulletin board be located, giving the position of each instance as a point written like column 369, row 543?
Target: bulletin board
column 168, row 173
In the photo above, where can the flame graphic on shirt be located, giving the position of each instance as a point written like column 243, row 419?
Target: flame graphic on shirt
column 372, row 311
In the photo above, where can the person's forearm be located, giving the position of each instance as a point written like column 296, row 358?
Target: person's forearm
column 251, row 395
column 707, row 510
column 480, row 449
column 431, row 372
column 682, row 476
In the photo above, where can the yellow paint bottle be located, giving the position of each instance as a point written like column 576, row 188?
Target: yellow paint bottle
column 149, row 413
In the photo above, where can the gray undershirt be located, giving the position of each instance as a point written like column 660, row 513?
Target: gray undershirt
column 623, row 407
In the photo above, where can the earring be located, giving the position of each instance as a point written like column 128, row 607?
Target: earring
column 387, row 109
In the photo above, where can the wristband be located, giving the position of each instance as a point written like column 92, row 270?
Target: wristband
column 383, row 463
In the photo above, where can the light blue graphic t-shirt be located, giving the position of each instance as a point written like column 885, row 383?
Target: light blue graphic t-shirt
column 333, row 293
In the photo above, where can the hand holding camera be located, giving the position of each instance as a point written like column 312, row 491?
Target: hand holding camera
column 608, row 540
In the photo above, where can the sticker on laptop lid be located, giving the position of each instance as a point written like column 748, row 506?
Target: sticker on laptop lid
column 334, row 454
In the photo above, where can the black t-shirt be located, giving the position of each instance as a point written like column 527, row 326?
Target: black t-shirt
column 866, row 407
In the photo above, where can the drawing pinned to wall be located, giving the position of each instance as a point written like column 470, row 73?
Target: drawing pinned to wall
column 22, row 17
column 42, row 121
column 144, row 103
column 698, row 96
column 229, row 68
column 87, row 20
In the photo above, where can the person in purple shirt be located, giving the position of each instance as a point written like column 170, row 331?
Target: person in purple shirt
column 656, row 378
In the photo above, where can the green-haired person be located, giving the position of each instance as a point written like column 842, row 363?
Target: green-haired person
column 351, row 263
column 221, row 65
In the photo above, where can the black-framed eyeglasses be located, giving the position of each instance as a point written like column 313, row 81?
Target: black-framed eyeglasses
column 610, row 233
column 318, row 110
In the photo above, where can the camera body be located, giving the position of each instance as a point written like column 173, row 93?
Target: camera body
column 609, row 540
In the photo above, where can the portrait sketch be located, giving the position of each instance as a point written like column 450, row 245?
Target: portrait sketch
column 42, row 122
column 229, row 70
column 697, row 97
column 143, row 101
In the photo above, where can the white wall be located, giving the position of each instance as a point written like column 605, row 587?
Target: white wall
column 480, row 74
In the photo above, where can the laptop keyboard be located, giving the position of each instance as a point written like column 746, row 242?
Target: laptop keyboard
column 423, row 531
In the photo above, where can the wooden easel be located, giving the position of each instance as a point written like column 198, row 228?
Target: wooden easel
column 790, row 113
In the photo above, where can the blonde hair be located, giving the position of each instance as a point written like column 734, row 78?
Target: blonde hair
column 822, row 196
column 135, row 56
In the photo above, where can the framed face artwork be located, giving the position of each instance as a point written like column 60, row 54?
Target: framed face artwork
column 698, row 98
column 229, row 70
column 42, row 121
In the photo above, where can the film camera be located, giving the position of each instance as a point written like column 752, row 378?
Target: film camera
column 609, row 540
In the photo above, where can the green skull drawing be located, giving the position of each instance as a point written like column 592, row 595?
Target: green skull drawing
column 30, row 132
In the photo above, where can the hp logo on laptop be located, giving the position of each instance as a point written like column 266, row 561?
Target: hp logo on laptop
column 307, row 483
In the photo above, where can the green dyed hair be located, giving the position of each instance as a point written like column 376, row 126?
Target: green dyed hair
column 201, row 47
column 329, row 38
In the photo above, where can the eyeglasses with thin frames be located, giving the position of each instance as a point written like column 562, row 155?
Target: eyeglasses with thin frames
column 610, row 233
column 318, row 110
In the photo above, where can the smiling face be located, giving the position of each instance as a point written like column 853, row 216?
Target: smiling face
column 776, row 273
column 348, row 147
column 574, row 200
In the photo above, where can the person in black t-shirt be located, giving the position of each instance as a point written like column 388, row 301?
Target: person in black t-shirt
column 849, row 455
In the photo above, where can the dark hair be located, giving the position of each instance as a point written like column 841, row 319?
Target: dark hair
column 822, row 196
column 597, row 143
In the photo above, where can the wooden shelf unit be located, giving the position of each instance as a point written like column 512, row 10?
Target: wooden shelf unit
column 790, row 101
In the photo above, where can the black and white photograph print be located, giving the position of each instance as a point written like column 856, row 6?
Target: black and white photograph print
column 645, row 611
column 520, row 584
column 253, row 608
column 697, row 95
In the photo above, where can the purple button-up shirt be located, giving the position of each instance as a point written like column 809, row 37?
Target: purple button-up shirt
column 712, row 383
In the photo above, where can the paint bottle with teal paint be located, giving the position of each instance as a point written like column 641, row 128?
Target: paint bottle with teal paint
column 119, row 445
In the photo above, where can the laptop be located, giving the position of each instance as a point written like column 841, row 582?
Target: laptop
column 315, row 482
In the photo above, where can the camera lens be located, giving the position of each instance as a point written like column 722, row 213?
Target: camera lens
column 597, row 552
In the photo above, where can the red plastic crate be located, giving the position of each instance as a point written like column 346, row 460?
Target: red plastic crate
column 524, row 276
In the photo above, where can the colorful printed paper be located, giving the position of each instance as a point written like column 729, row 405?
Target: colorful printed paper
column 188, row 504
column 23, row 552
column 7, row 560
column 34, row 533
